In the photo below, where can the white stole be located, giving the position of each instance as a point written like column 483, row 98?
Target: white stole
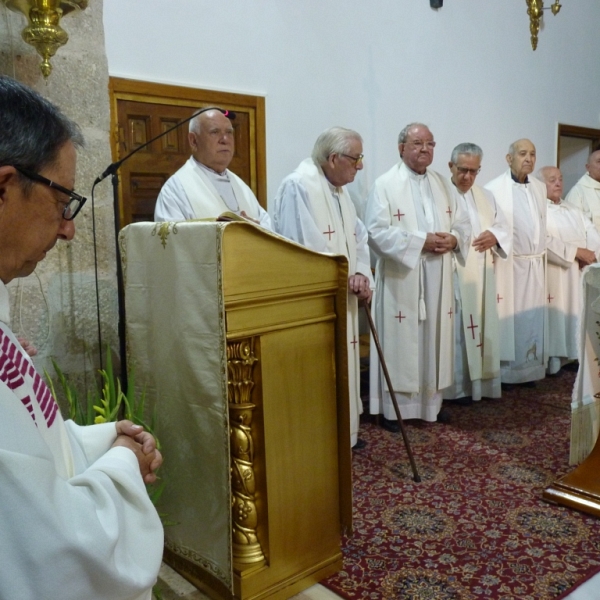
column 403, row 288
column 478, row 300
column 203, row 197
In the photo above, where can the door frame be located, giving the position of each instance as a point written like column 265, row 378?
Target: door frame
column 160, row 93
column 587, row 133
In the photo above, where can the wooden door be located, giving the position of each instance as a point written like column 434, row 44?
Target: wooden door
column 142, row 110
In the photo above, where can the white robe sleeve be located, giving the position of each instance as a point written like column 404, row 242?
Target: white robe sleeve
column 363, row 258
column 499, row 228
column 461, row 229
column 561, row 254
column 172, row 203
column 403, row 247
column 264, row 219
column 293, row 216
column 576, row 198
column 93, row 536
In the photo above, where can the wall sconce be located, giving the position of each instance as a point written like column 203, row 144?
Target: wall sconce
column 43, row 29
column 534, row 10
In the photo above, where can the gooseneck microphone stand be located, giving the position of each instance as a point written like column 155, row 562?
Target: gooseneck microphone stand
column 112, row 170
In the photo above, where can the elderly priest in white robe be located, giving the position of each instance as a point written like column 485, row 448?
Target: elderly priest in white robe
column 204, row 187
column 573, row 243
column 477, row 350
column 416, row 225
column 521, row 279
column 75, row 518
column 585, row 194
column 313, row 208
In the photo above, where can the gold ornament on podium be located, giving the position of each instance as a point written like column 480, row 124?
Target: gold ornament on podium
column 534, row 10
column 247, row 549
column 43, row 31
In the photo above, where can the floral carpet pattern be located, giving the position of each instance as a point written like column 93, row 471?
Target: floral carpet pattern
column 476, row 525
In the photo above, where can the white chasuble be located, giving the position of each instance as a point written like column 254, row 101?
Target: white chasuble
column 585, row 195
column 568, row 230
column 477, row 334
column 521, row 280
column 312, row 212
column 414, row 299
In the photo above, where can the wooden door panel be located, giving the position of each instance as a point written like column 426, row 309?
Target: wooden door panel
column 142, row 110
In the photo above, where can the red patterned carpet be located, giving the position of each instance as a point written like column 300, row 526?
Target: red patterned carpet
column 476, row 526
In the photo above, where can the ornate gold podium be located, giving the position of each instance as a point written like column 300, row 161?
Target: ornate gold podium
column 235, row 336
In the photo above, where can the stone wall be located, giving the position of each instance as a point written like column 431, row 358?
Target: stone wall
column 55, row 307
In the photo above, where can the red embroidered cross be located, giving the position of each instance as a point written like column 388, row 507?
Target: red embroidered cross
column 399, row 215
column 449, row 212
column 329, row 232
column 400, row 317
column 499, row 297
column 450, row 312
column 550, row 298
column 354, row 342
column 480, row 345
column 472, row 327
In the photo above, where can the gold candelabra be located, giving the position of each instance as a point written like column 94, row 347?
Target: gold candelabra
column 43, row 29
column 534, row 10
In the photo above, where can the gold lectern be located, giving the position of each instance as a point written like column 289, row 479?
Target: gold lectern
column 235, row 335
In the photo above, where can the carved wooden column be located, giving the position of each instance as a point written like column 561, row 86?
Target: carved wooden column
column 247, row 549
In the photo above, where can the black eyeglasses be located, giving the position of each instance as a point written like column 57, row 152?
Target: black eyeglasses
column 467, row 171
column 75, row 200
column 355, row 159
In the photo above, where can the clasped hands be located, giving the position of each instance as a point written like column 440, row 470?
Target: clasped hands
column 585, row 257
column 143, row 445
column 440, row 243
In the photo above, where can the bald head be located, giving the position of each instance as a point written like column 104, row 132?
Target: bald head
column 593, row 165
column 521, row 159
column 211, row 140
column 553, row 179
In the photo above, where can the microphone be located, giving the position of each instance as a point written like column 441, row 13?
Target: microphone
column 113, row 167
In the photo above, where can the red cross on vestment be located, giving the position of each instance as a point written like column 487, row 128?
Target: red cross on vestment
column 450, row 313
column 499, row 297
column 400, row 317
column 480, row 345
column 449, row 212
column 399, row 215
column 329, row 232
column 472, row 326
column 354, row 342
column 550, row 298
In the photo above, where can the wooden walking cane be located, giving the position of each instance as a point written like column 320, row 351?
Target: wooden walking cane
column 411, row 458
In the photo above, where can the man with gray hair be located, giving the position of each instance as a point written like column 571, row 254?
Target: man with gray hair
column 521, row 279
column 585, row 194
column 313, row 208
column 573, row 243
column 477, row 350
column 75, row 517
column 204, row 187
column 416, row 225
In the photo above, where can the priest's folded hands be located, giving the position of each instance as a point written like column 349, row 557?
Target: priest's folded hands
column 143, row 445
column 440, row 242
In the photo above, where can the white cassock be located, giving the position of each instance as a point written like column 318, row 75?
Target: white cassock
column 585, row 195
column 312, row 212
column 414, row 290
column 521, row 280
column 76, row 521
column 568, row 230
column 197, row 192
column 477, row 350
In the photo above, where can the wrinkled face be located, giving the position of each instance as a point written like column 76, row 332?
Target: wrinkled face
column 593, row 166
column 30, row 224
column 213, row 145
column 341, row 169
column 417, row 151
column 554, row 184
column 465, row 171
column 522, row 162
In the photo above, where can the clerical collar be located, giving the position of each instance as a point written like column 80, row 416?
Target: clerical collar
column 460, row 191
column 209, row 170
column 414, row 174
column 517, row 181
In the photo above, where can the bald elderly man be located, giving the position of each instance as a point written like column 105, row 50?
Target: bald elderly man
column 204, row 187
column 585, row 195
column 521, row 279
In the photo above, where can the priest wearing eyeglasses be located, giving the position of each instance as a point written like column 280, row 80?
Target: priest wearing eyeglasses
column 75, row 517
column 416, row 226
column 477, row 345
column 313, row 208
column 521, row 280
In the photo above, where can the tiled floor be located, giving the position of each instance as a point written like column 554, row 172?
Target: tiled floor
column 174, row 587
